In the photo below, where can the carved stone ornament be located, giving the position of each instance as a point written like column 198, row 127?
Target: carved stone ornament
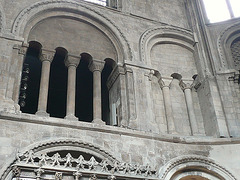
column 72, row 60
column 39, row 172
column 165, row 82
column 16, row 171
column 96, row 65
column 47, row 55
column 185, row 85
column 78, row 166
column 58, row 176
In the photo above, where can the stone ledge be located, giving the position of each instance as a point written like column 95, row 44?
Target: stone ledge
column 203, row 140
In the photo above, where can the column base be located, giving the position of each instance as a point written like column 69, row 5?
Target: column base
column 42, row 113
column 98, row 121
column 71, row 117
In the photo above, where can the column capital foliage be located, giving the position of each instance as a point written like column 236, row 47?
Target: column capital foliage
column 185, row 84
column 96, row 65
column 165, row 82
column 47, row 55
column 72, row 60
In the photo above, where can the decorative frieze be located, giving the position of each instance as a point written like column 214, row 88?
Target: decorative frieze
column 78, row 167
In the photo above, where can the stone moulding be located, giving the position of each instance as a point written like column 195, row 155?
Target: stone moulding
column 163, row 32
column 58, row 144
column 71, row 165
column 222, row 43
column 194, row 162
column 2, row 19
column 28, row 13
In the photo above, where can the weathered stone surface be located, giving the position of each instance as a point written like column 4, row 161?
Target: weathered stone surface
column 165, row 122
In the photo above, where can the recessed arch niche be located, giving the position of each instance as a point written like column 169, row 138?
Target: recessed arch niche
column 199, row 167
column 76, row 35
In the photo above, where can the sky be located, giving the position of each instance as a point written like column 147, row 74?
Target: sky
column 217, row 9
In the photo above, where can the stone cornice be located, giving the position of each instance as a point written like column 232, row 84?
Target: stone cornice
column 197, row 140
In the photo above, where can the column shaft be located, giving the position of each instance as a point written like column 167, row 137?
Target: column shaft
column 43, row 92
column 97, row 100
column 96, row 67
column 168, row 110
column 71, row 92
column 191, row 114
column 71, row 62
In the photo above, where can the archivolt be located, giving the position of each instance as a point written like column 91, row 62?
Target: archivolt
column 31, row 12
column 225, row 39
column 165, row 34
column 58, row 145
column 193, row 162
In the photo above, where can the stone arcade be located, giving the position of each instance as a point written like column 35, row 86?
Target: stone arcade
column 136, row 89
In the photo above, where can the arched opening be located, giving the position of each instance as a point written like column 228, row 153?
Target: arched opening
column 57, row 93
column 84, row 90
column 193, row 178
column 235, row 50
column 108, row 67
column 30, row 80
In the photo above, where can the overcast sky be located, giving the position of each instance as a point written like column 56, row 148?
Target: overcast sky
column 217, row 9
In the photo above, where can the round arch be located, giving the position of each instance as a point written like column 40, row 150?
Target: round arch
column 32, row 15
column 224, row 42
column 184, row 166
column 56, row 145
column 165, row 34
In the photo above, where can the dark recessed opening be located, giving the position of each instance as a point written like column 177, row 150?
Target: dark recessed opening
column 30, row 80
column 57, row 93
column 105, row 92
column 84, row 90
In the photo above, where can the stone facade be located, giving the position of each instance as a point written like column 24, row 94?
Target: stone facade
column 161, row 91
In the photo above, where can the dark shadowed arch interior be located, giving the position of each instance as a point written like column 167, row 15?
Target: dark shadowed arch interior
column 57, row 93
column 108, row 67
column 30, row 80
column 84, row 90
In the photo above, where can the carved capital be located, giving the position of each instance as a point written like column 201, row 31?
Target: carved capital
column 39, row 172
column 150, row 74
column 165, row 82
column 112, row 177
column 47, row 55
column 16, row 171
column 58, row 176
column 186, row 84
column 22, row 49
column 72, row 60
column 96, row 65
column 77, row 175
column 93, row 177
